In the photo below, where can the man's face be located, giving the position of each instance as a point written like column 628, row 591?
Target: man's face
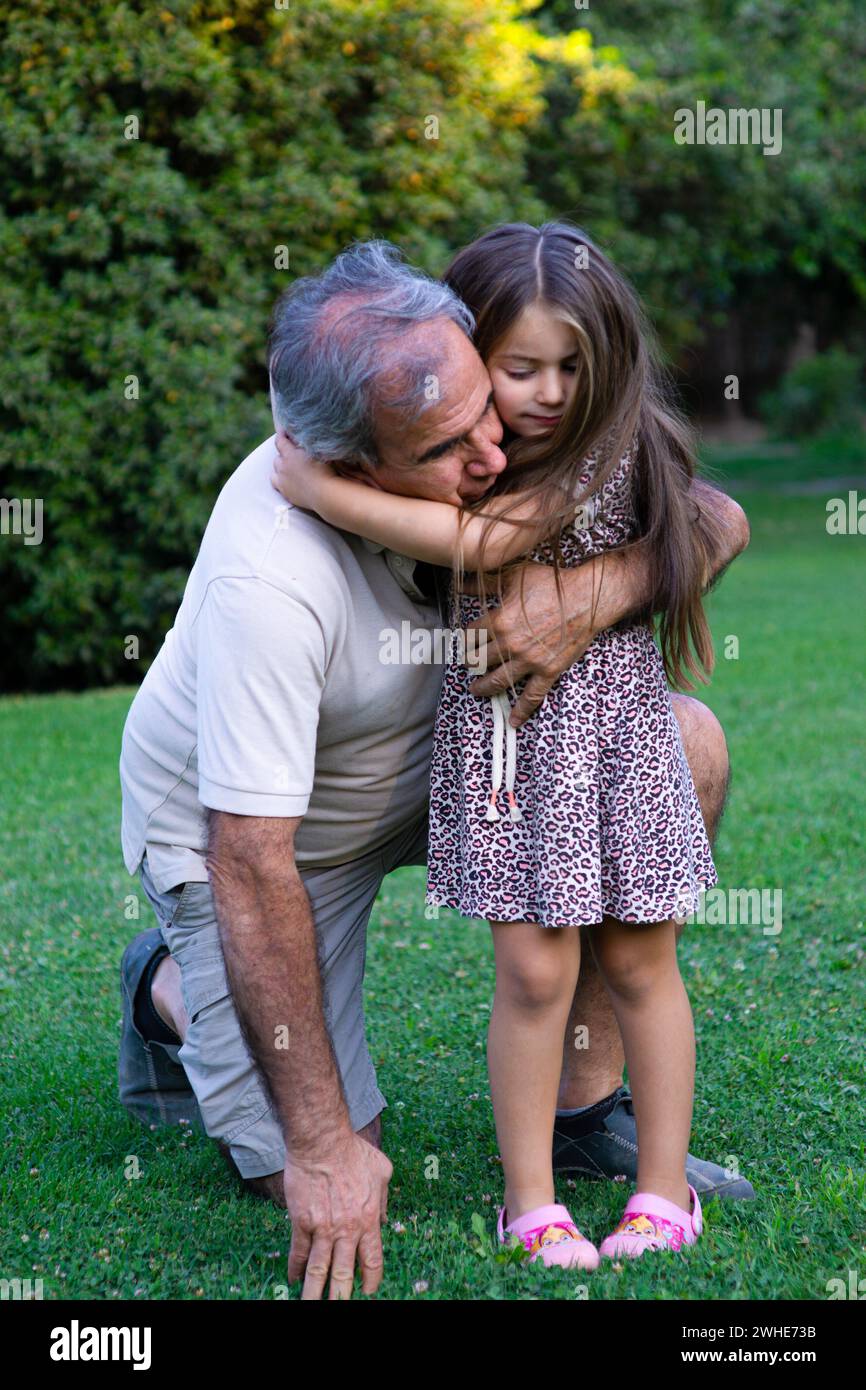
column 450, row 453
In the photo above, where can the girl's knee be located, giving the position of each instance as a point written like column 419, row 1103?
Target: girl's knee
column 535, row 983
column 631, row 968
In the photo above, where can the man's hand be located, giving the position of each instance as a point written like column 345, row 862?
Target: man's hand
column 337, row 1198
column 539, row 643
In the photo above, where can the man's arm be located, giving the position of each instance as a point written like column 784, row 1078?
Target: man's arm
column 596, row 595
column 335, row 1182
column 433, row 532
column 262, row 654
column 269, row 944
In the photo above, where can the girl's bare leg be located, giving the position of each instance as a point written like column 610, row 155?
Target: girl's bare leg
column 639, row 967
column 536, row 972
column 591, row 1073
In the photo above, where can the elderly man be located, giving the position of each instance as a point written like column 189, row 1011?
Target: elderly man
column 274, row 769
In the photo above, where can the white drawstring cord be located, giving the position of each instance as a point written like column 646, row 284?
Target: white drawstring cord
column 502, row 728
column 492, row 813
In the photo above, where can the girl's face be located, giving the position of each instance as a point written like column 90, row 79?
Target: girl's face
column 533, row 371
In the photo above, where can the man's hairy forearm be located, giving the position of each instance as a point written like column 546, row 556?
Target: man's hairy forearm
column 620, row 587
column 620, row 582
column 269, row 943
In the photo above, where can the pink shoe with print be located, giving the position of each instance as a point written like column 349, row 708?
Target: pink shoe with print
column 652, row 1223
column 550, row 1235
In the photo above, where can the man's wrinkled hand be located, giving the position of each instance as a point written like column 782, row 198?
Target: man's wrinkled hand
column 337, row 1199
column 531, row 638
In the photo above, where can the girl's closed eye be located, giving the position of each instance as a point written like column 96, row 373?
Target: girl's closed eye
column 518, row 374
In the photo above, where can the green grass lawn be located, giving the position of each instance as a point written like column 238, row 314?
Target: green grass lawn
column 780, row 1087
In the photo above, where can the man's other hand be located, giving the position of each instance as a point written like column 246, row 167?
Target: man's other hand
column 528, row 638
column 337, row 1198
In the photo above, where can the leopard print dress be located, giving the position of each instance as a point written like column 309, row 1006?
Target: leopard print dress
column 611, row 824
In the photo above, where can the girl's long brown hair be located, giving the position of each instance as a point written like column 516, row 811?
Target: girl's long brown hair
column 621, row 394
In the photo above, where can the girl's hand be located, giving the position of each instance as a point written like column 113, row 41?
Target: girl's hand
column 302, row 480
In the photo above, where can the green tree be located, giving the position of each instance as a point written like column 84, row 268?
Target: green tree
column 168, row 168
column 703, row 228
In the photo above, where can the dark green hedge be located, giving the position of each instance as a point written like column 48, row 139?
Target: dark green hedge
column 154, row 258
column 306, row 127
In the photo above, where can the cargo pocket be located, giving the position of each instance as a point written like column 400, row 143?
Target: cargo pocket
column 194, row 908
column 203, row 972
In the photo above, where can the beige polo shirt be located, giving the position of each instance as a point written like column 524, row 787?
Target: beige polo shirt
column 270, row 695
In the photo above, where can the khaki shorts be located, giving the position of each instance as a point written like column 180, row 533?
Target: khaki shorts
column 231, row 1095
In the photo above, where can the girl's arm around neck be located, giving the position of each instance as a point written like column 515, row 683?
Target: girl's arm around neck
column 427, row 530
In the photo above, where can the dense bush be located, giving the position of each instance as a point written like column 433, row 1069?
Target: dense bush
column 705, row 228
column 823, row 393
column 137, row 274
column 156, row 259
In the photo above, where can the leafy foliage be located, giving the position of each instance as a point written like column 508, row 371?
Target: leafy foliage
column 822, row 393
column 702, row 228
column 169, row 166
column 150, row 264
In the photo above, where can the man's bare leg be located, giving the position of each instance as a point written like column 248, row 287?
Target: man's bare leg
column 167, row 996
column 590, row 1074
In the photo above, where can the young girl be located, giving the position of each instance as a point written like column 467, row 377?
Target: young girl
column 598, row 822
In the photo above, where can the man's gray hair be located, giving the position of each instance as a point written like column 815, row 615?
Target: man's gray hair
column 335, row 354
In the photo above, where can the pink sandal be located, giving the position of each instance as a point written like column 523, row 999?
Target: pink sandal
column 549, row 1234
column 652, row 1223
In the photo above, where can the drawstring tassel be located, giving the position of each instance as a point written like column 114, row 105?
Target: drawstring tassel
column 503, row 731
column 510, row 764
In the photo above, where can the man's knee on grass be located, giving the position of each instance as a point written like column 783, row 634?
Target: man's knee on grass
column 268, row 1188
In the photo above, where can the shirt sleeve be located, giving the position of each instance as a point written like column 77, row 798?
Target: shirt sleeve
column 262, row 657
